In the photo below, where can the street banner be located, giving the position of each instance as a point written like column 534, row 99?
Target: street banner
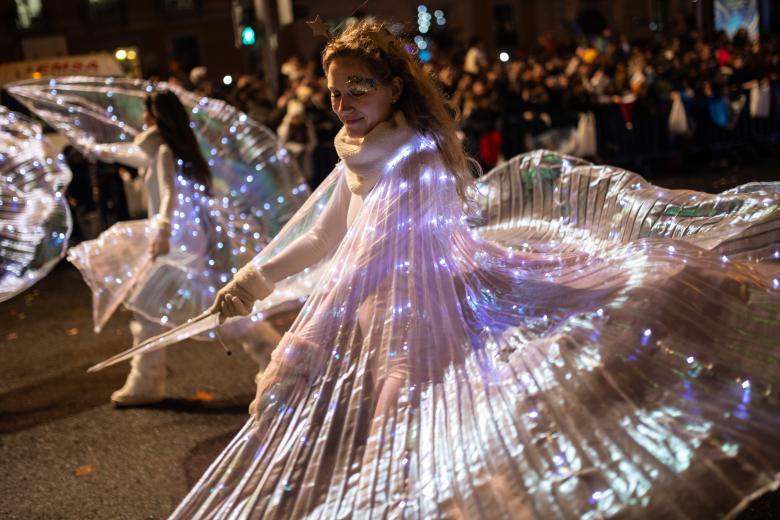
column 100, row 64
column 732, row 15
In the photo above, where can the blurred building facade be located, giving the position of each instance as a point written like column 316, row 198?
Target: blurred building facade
column 158, row 37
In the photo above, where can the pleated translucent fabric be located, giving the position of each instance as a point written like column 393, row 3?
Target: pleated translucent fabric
column 256, row 189
column 208, row 244
column 35, row 222
column 584, row 345
column 248, row 165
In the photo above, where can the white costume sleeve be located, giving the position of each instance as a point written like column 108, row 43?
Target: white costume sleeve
column 124, row 153
column 313, row 246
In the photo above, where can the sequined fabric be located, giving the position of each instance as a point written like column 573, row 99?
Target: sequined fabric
column 582, row 345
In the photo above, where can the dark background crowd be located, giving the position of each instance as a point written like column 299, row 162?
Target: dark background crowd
column 662, row 105
column 606, row 98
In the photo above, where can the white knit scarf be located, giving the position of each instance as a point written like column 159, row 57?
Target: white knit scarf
column 366, row 157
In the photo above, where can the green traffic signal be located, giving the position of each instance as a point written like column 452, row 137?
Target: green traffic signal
column 247, row 36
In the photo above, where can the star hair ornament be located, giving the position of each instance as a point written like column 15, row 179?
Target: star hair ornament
column 319, row 28
column 382, row 38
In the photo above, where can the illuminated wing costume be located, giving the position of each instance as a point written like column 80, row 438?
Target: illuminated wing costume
column 588, row 345
column 255, row 191
column 35, row 222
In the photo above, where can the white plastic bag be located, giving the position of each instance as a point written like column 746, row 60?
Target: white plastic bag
column 760, row 99
column 586, row 135
column 678, row 120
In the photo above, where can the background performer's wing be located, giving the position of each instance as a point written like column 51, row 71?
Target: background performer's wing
column 249, row 166
column 35, row 222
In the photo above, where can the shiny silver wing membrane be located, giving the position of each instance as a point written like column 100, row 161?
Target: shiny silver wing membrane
column 35, row 222
column 250, row 168
column 546, row 201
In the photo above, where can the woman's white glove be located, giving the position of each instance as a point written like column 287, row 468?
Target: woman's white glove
column 239, row 295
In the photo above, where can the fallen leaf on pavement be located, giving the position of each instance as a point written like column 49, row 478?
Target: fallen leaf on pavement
column 200, row 395
column 84, row 470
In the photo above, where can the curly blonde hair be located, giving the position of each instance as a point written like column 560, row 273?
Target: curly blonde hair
column 421, row 101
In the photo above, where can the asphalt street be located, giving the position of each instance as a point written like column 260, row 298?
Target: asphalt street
column 65, row 451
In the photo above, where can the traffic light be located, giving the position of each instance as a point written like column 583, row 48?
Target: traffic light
column 247, row 36
column 244, row 23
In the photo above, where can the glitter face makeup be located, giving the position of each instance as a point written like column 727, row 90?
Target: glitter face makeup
column 359, row 85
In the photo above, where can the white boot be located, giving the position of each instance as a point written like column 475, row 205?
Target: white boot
column 146, row 382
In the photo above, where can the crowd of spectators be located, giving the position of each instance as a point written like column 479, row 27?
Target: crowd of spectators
column 617, row 96
column 603, row 97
